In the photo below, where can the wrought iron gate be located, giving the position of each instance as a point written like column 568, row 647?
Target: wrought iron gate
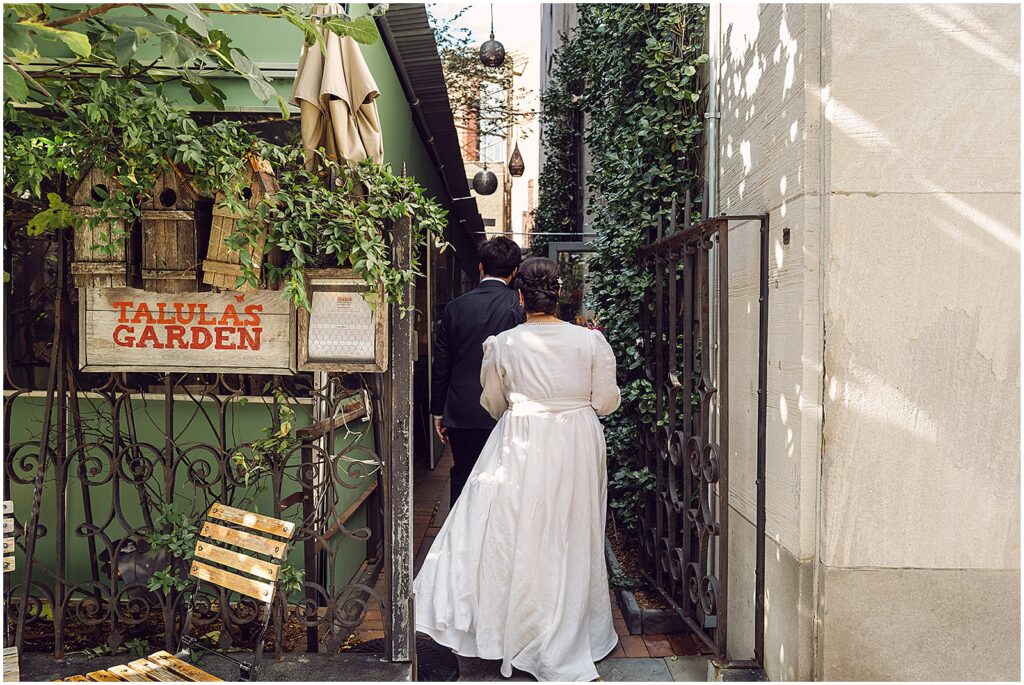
column 108, row 455
column 685, row 340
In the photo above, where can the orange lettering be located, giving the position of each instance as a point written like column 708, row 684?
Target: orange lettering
column 160, row 306
column 180, row 315
column 252, row 311
column 149, row 335
column 123, row 306
column 198, row 333
column 176, row 334
column 249, row 339
column 230, row 313
column 124, row 340
column 142, row 312
column 203, row 321
column 222, row 341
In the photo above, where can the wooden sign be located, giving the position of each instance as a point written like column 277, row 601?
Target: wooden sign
column 346, row 328
column 124, row 329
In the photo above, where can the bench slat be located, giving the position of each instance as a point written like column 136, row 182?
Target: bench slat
column 239, row 538
column 8, row 546
column 103, row 677
column 264, row 524
column 8, row 507
column 127, row 674
column 8, row 564
column 151, row 671
column 187, row 671
column 263, row 592
column 237, row 560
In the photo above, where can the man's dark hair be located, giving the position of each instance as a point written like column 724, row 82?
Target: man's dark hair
column 500, row 257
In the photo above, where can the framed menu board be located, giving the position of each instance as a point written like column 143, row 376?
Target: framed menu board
column 346, row 328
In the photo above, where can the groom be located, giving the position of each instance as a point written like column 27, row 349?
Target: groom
column 489, row 309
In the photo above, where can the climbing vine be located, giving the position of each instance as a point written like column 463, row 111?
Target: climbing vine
column 631, row 71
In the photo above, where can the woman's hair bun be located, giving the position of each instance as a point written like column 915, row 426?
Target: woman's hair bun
column 538, row 281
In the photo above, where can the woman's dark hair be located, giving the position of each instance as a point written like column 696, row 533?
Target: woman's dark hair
column 538, row 281
column 500, row 257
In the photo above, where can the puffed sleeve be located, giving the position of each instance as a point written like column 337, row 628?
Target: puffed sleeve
column 493, row 397
column 604, row 393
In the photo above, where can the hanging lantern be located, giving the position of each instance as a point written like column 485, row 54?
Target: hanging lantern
column 492, row 53
column 485, row 182
column 516, row 165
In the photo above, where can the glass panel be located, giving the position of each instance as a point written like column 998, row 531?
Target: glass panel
column 573, row 268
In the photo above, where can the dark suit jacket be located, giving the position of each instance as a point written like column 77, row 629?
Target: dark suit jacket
column 489, row 309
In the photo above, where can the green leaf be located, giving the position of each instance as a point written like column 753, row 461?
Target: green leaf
column 259, row 84
column 361, row 30
column 15, row 87
column 77, row 42
column 282, row 104
column 18, row 41
column 195, row 19
column 125, row 46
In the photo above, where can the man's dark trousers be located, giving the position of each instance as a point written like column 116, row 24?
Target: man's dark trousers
column 489, row 309
column 466, row 443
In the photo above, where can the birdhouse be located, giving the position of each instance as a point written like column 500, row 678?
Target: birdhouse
column 222, row 266
column 169, row 257
column 91, row 266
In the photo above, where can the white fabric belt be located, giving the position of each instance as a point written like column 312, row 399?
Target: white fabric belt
column 560, row 404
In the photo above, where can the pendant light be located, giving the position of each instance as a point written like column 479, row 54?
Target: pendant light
column 485, row 182
column 516, row 165
column 492, row 53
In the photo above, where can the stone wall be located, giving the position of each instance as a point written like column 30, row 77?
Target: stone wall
column 884, row 142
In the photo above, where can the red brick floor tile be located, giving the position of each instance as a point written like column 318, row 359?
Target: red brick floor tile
column 658, row 645
column 633, row 646
column 617, row 653
column 683, row 645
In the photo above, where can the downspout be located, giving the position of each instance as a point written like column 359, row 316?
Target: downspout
column 713, row 115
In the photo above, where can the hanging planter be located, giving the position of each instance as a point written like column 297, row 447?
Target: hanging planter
column 169, row 258
column 222, row 266
column 93, row 267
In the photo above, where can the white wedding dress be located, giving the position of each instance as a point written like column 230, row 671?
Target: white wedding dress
column 517, row 572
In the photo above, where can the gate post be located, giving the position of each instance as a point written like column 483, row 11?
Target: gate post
column 398, row 626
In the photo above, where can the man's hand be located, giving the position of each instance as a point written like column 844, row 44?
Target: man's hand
column 442, row 432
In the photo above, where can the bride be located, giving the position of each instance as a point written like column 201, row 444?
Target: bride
column 517, row 573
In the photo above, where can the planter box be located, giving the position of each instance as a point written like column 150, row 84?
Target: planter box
column 344, row 331
column 642, row 621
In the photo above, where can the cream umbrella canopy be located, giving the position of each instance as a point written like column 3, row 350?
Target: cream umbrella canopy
column 337, row 96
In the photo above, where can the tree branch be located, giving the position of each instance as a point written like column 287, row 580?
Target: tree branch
column 82, row 16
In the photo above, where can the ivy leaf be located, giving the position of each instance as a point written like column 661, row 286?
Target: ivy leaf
column 15, row 87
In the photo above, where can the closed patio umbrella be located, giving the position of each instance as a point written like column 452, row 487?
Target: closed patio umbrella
column 337, row 97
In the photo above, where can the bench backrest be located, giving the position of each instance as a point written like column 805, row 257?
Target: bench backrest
column 241, row 551
column 8, row 536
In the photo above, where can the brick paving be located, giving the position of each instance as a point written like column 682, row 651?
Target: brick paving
column 430, row 507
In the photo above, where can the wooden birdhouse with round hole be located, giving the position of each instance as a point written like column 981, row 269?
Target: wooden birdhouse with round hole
column 169, row 260
column 222, row 267
column 99, row 246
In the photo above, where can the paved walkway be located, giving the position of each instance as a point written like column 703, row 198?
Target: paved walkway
column 647, row 658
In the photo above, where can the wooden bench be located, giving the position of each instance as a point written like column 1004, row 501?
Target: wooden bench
column 237, row 551
column 12, row 672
